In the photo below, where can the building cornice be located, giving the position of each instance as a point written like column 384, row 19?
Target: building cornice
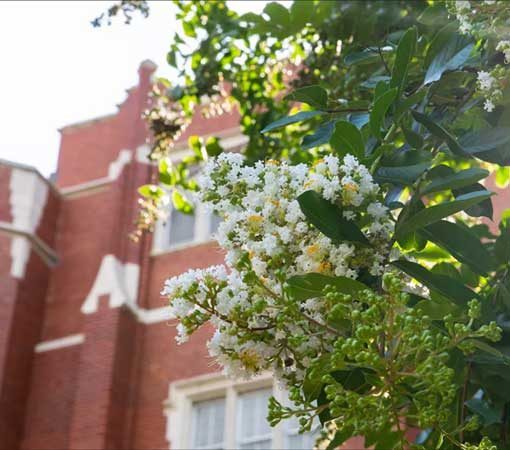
column 48, row 255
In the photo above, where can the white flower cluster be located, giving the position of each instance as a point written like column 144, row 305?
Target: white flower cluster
column 489, row 87
column 267, row 239
column 483, row 19
column 504, row 47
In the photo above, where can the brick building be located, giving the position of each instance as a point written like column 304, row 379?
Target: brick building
column 87, row 355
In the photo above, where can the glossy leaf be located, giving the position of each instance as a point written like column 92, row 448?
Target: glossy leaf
column 482, row 209
column 405, row 51
column 329, row 220
column 346, row 138
column 288, row 120
column 448, row 51
column 311, row 95
column 439, row 132
column 378, row 113
column 303, row 287
column 463, row 245
column 489, row 414
column 455, row 180
column 482, row 141
column 321, row 136
column 437, row 212
column 444, row 285
column 414, row 139
column 403, row 175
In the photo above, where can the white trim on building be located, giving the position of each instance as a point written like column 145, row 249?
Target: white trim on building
column 183, row 394
column 55, row 344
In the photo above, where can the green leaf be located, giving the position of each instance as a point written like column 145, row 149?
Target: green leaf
column 346, row 138
column 482, row 209
column 405, row 51
column 367, row 56
column 439, row 132
column 403, row 175
column 151, row 191
column 489, row 414
column 448, row 51
column 455, row 180
column 300, row 14
column 166, row 175
column 414, row 139
column 463, row 245
column 180, row 203
column 329, row 220
column 288, row 120
column 359, row 120
column 438, row 308
column 212, row 146
column 444, row 285
column 487, row 139
column 502, row 177
column 406, row 102
column 381, row 106
column 311, row 95
column 433, row 14
column 279, row 18
column 303, row 287
column 321, row 136
column 437, row 212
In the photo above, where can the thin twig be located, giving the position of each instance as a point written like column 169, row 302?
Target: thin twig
column 383, row 60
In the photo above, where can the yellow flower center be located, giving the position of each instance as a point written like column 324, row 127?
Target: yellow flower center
column 351, row 187
column 250, row 359
column 312, row 249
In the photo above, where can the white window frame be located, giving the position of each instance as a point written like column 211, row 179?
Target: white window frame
column 230, row 140
column 202, row 233
column 182, row 394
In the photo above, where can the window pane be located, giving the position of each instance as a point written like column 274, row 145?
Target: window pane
column 214, row 223
column 254, row 430
column 182, row 227
column 208, row 424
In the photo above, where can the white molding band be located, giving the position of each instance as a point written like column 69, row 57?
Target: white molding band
column 116, row 279
column 48, row 255
column 55, row 344
column 151, row 316
column 27, row 199
column 120, row 281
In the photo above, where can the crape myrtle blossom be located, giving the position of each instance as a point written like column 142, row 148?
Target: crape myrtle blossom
column 267, row 239
column 487, row 20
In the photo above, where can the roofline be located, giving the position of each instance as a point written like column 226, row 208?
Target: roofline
column 85, row 123
column 28, row 168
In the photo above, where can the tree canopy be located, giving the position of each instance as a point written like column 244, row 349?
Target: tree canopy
column 361, row 269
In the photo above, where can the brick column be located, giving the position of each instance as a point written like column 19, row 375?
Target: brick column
column 21, row 309
column 102, row 400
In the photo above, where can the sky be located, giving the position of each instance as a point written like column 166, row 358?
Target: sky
column 56, row 69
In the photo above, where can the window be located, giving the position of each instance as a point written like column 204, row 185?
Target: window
column 253, row 430
column 179, row 230
column 208, row 423
column 213, row 412
column 294, row 440
column 214, row 223
column 182, row 227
